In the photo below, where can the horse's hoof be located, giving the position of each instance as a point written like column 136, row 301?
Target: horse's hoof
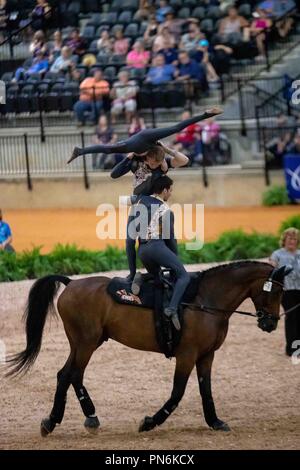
column 47, row 426
column 220, row 426
column 92, row 424
column 146, row 424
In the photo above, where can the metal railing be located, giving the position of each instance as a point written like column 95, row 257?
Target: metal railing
column 272, row 137
column 245, row 70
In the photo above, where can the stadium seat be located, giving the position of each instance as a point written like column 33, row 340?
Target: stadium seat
column 110, row 73
column 103, row 59
column 131, row 30
column 91, row 6
column 89, row 32
column 184, row 13
column 116, row 27
column 125, row 17
column 175, row 4
column 245, row 10
column 198, row 12
column 214, row 12
column 116, row 5
column 108, row 18
column 74, row 7
column 7, row 77
column 95, row 19
column 207, row 26
column 117, row 59
column 137, row 74
column 130, row 5
column 93, row 49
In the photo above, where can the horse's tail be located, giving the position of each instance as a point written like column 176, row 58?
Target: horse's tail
column 40, row 302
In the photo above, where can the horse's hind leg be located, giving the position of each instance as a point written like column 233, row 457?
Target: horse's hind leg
column 83, row 355
column 184, row 367
column 57, row 413
column 204, row 379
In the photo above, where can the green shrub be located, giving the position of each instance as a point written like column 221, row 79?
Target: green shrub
column 275, row 196
column 293, row 221
column 69, row 260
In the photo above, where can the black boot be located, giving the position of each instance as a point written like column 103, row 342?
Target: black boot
column 172, row 312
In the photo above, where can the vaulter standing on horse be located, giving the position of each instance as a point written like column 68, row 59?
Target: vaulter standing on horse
column 157, row 242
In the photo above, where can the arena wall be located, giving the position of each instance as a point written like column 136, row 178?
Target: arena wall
column 227, row 186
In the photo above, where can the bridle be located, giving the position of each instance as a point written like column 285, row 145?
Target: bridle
column 262, row 315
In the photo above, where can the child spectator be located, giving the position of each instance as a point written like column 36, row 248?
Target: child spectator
column 5, row 235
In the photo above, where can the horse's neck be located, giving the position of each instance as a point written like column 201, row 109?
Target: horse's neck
column 228, row 288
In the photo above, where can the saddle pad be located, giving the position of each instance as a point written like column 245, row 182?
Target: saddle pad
column 119, row 289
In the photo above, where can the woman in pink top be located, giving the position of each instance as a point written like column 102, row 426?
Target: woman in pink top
column 121, row 44
column 258, row 25
column 138, row 58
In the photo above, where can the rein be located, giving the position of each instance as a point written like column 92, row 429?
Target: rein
column 212, row 310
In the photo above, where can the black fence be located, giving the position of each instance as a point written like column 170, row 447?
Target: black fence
column 243, row 70
column 24, row 156
column 277, row 141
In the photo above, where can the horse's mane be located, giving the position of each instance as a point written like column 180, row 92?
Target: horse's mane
column 234, row 265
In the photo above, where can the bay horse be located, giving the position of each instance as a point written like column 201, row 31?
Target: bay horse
column 90, row 316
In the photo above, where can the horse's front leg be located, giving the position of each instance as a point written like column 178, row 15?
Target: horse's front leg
column 203, row 366
column 184, row 366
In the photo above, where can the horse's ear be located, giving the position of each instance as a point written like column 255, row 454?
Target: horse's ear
column 278, row 274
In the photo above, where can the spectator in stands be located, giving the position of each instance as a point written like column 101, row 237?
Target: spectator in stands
column 189, row 41
column 220, row 58
column 104, row 135
column 3, row 19
column 188, row 69
column 40, row 65
column 146, row 9
column 63, row 63
column 76, row 43
column 38, row 43
column 277, row 145
column 174, row 24
column 210, row 136
column 202, row 55
column 121, row 44
column 160, row 72
column 189, row 140
column 104, row 44
column 138, row 58
column 259, row 24
column 137, row 124
column 92, row 91
column 40, row 15
column 294, row 146
column 151, row 31
column 56, row 46
column 162, row 11
column 170, row 54
column 124, row 93
column 163, row 40
column 5, row 235
column 232, row 26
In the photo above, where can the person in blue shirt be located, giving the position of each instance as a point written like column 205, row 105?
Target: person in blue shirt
column 162, row 11
column 160, row 72
column 5, row 235
column 189, row 69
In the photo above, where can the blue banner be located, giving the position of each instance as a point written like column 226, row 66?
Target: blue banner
column 292, row 175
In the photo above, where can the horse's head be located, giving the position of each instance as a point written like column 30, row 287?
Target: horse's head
column 266, row 296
